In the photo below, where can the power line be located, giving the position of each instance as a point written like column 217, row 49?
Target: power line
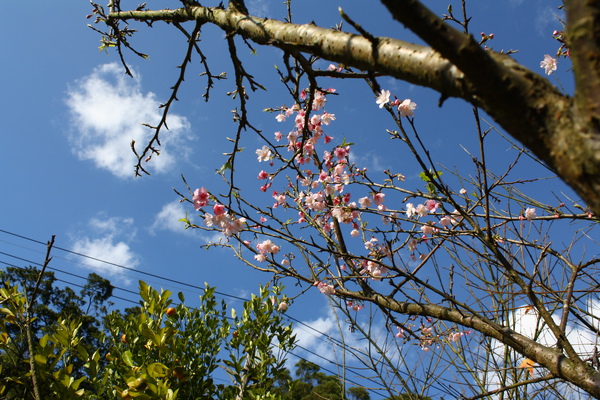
column 331, row 339
column 229, row 318
column 321, row 335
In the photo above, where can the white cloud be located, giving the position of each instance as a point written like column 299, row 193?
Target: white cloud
column 528, row 323
column 169, row 217
column 259, row 8
column 546, row 20
column 107, row 111
column 368, row 160
column 111, row 244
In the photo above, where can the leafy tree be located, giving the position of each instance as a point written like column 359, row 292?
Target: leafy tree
column 59, row 312
column 154, row 351
column 312, row 384
column 409, row 396
column 358, row 393
column 463, row 268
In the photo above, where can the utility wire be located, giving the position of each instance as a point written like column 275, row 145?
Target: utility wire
column 322, row 334
column 339, row 343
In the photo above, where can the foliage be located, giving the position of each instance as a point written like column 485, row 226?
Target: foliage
column 312, row 384
column 154, row 351
column 465, row 273
column 65, row 325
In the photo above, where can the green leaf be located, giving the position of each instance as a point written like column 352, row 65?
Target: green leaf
column 128, row 358
column 225, row 167
column 40, row 358
column 181, row 297
column 344, row 143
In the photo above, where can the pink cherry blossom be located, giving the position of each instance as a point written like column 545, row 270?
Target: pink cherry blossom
column 530, row 214
column 326, row 118
column 325, row 288
column 282, row 306
column 454, row 337
column 427, row 229
column 267, row 247
column 431, row 205
column 383, row 98
column 410, row 210
column 200, row 198
column 219, row 209
column 371, row 243
column 280, row 117
column 262, row 175
column 549, row 64
column 280, row 199
column 365, row 202
column 412, row 244
column 421, row 210
column 260, row 257
column 446, row 221
column 319, row 100
column 341, row 152
column 379, row 198
column 229, row 225
column 407, row 108
column 264, row 154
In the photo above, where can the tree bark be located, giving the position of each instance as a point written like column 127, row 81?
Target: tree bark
column 559, row 365
column 562, row 134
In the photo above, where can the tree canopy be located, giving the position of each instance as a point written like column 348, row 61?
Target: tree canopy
column 157, row 350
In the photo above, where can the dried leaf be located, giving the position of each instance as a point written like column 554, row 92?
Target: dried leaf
column 529, row 364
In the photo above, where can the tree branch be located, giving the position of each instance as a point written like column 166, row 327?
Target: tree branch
column 558, row 364
column 525, row 104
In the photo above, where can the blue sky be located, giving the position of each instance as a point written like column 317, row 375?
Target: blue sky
column 69, row 114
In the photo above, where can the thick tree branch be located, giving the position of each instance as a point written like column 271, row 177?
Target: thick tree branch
column 406, row 61
column 558, row 364
column 583, row 33
column 525, row 104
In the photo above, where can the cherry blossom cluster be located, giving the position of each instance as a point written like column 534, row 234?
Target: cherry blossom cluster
column 325, row 288
column 353, row 305
column 264, row 249
column 428, row 336
column 406, row 108
column 320, row 193
column 225, row 222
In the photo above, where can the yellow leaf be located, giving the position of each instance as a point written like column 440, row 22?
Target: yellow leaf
column 529, row 364
column 528, row 309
